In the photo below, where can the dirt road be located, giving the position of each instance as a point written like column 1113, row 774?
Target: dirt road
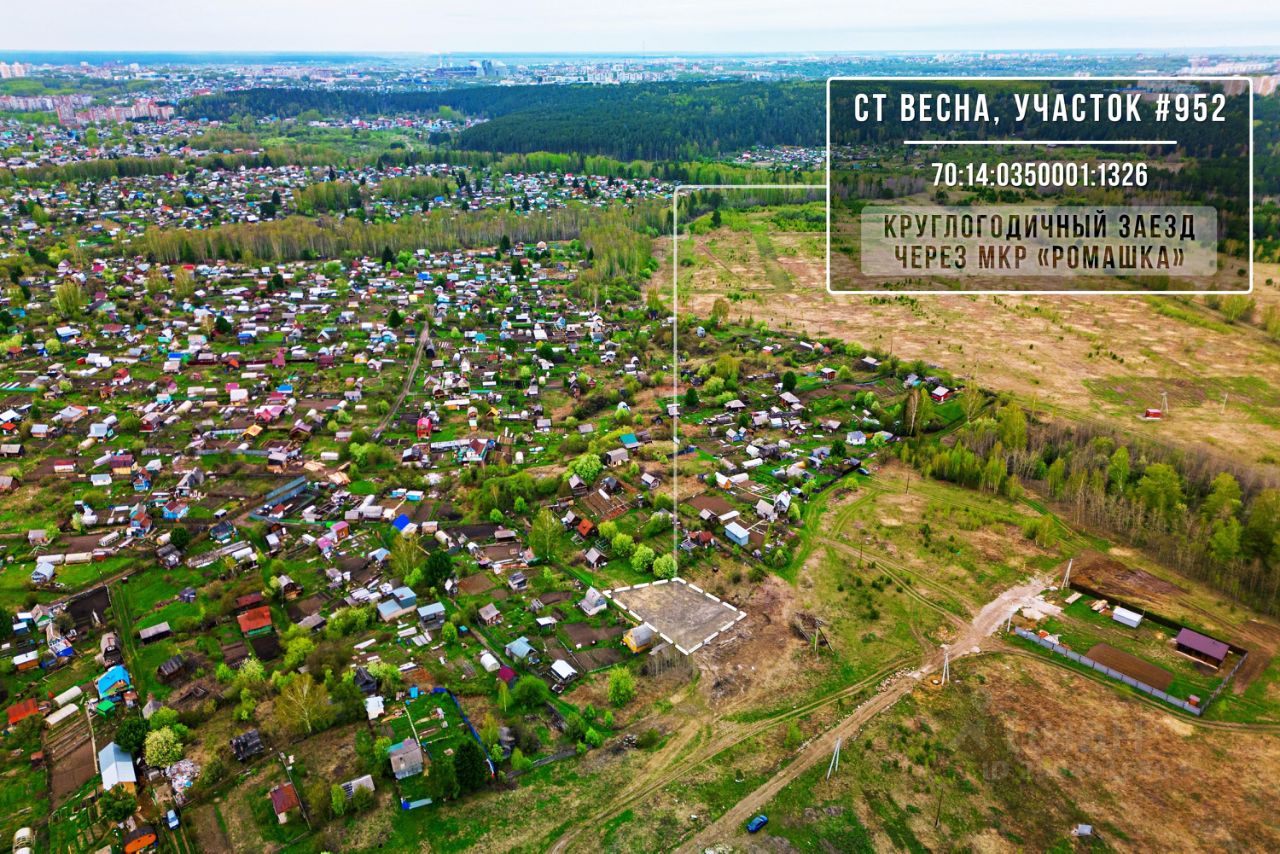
column 970, row 641
column 424, row 338
column 694, row 743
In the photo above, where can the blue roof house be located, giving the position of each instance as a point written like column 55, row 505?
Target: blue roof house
column 114, row 681
column 521, row 650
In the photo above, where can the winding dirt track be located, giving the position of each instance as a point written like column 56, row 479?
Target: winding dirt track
column 424, row 338
column 971, row 639
column 693, row 745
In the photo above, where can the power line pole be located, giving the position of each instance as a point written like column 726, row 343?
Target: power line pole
column 946, row 665
column 835, row 759
column 1066, row 576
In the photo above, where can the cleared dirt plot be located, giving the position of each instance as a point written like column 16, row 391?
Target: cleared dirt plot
column 1110, row 577
column 475, row 584
column 1131, row 665
column 686, row 615
column 203, row 821
column 1266, row 640
column 584, row 634
column 71, row 758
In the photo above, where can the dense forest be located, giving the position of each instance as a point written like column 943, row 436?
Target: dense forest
column 667, row 121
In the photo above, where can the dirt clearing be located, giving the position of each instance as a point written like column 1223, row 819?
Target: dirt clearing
column 1164, row 784
column 1131, row 665
column 678, row 610
column 1075, row 355
column 1110, row 577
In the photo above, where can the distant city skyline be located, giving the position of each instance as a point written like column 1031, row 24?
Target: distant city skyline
column 660, row 27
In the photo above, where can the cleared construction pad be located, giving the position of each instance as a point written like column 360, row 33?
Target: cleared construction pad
column 1131, row 665
column 682, row 613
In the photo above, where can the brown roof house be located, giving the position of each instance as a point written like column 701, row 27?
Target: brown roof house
column 284, row 800
column 1202, row 648
column 489, row 615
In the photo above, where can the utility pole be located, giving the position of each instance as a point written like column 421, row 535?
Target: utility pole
column 835, row 759
column 946, row 665
column 1066, row 576
column 937, row 816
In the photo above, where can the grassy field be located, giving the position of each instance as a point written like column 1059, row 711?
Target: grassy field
column 1057, row 353
column 1011, row 756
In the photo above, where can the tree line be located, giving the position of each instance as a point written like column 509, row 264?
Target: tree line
column 1215, row 519
column 303, row 238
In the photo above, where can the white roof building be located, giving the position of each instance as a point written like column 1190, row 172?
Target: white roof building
column 562, row 670
column 117, row 766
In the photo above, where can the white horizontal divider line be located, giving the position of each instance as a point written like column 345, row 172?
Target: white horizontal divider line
column 1039, row 142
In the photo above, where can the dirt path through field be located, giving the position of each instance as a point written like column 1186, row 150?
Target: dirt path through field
column 970, row 641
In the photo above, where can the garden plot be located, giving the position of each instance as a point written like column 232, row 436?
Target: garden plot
column 602, row 506
column 585, row 634
column 71, row 757
column 436, row 721
column 476, row 583
column 1131, row 665
column 682, row 613
column 586, row 660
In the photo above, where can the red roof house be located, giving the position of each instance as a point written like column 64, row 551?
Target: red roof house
column 255, row 621
column 19, row 712
column 283, row 800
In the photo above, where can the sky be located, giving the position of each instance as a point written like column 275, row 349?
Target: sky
column 653, row 27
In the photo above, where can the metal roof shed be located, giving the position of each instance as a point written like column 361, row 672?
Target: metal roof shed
column 1125, row 617
column 1199, row 646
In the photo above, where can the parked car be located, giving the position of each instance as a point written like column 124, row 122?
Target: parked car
column 756, row 823
column 171, row 819
column 22, row 841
